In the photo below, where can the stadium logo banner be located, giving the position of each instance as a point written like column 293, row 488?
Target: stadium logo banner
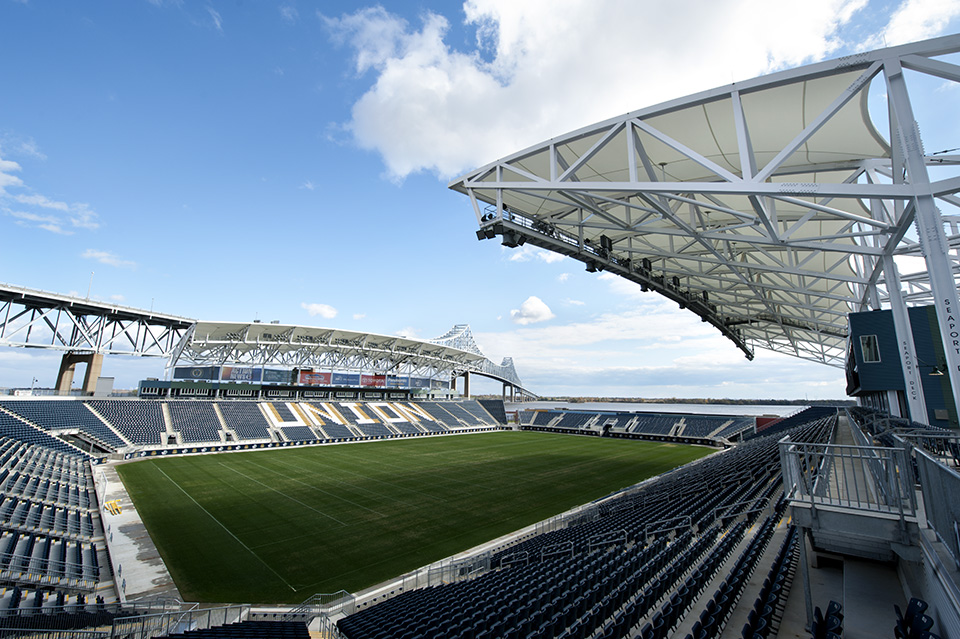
column 397, row 382
column 315, row 379
column 419, row 382
column 235, row 374
column 377, row 381
column 276, row 376
column 346, row 379
column 196, row 372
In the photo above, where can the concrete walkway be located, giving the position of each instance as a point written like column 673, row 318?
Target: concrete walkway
column 866, row 589
column 137, row 566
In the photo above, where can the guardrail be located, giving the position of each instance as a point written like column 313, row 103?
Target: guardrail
column 940, row 486
column 322, row 604
column 869, row 478
column 9, row 633
column 165, row 623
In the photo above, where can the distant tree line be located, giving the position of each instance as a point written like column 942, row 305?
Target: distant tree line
column 693, row 400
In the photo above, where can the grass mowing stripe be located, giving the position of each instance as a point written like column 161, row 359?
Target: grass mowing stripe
column 280, row 492
column 379, row 481
column 229, row 532
column 349, row 501
column 441, row 495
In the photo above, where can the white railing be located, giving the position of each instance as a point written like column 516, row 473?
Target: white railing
column 940, row 487
column 867, row 478
column 165, row 623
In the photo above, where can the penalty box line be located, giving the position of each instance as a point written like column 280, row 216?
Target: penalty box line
column 229, row 532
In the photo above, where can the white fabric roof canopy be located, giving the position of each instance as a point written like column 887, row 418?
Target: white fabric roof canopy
column 776, row 197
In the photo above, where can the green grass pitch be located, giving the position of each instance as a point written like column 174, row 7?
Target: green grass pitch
column 278, row 526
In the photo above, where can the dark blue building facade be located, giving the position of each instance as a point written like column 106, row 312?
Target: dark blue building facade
column 874, row 372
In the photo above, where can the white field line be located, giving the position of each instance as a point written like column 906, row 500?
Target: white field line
column 229, row 532
column 339, row 481
column 317, row 488
column 280, row 492
column 379, row 481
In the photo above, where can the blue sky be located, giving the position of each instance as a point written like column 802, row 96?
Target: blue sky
column 289, row 160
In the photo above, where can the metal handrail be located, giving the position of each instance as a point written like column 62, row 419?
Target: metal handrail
column 940, row 487
column 859, row 477
column 163, row 623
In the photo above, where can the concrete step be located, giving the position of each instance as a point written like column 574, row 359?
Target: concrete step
column 870, row 590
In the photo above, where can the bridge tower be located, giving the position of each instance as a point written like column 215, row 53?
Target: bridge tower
column 68, row 366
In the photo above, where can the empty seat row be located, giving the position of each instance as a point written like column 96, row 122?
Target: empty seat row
column 245, row 419
column 593, row 588
column 772, row 593
column 11, row 426
column 41, row 560
column 197, row 422
column 56, row 415
column 30, row 516
column 299, row 433
column 140, row 421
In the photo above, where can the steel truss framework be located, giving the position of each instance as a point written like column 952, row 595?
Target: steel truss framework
column 765, row 207
column 254, row 344
column 461, row 337
column 37, row 319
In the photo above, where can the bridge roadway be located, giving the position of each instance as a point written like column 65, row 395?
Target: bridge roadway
column 85, row 330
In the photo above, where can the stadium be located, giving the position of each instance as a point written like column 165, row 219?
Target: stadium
column 293, row 481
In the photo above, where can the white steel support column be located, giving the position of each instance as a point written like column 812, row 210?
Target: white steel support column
column 913, row 388
column 933, row 241
column 893, row 404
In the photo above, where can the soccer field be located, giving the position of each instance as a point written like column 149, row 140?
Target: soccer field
column 278, row 526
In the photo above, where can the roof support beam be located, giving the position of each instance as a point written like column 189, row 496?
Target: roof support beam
column 929, row 225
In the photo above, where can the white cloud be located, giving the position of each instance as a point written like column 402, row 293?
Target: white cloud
column 41, row 201
column 429, row 106
column 917, row 20
column 54, row 228
column 572, row 302
column 563, row 277
column 359, row 316
column 82, row 217
column 29, row 148
column 19, row 146
column 609, row 331
column 408, row 332
column 651, row 352
column 105, row 257
column 323, row 310
column 33, row 217
column 621, row 287
column 907, row 264
column 117, row 298
column 529, row 252
column 289, row 13
column 216, row 19
column 308, row 185
column 532, row 310
column 54, row 216
column 6, row 179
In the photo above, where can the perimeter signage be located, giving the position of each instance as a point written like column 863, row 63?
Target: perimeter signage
column 315, row 379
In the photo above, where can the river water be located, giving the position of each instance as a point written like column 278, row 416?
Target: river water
column 651, row 407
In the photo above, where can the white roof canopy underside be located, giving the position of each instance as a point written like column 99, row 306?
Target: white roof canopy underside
column 775, row 197
column 292, row 346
